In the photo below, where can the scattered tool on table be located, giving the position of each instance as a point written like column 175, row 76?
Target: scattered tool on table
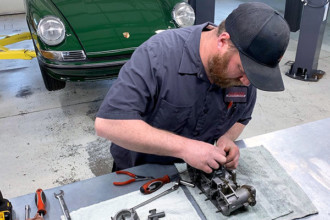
column 154, row 185
column 40, row 199
column 155, row 215
column 64, row 208
column 147, row 188
column 135, row 178
column 27, row 212
column 6, row 209
column 128, row 214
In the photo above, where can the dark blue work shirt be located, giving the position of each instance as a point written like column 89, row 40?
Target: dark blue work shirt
column 165, row 85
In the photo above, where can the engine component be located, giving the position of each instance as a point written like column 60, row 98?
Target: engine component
column 221, row 188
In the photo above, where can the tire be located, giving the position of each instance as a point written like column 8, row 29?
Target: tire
column 51, row 84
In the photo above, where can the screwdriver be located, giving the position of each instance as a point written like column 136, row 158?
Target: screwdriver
column 154, row 185
column 40, row 199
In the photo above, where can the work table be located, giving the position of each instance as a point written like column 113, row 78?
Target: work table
column 303, row 151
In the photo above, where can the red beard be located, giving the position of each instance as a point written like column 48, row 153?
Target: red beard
column 218, row 71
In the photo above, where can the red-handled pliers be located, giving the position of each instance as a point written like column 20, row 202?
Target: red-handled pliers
column 135, row 178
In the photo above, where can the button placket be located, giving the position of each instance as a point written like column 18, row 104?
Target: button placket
column 202, row 116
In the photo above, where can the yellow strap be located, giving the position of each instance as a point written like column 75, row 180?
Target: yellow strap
column 11, row 39
column 2, row 216
column 17, row 54
column 7, row 54
column 3, row 48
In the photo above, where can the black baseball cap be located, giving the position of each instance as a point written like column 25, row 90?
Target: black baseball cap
column 261, row 36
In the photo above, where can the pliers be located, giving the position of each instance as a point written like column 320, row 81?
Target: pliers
column 135, row 178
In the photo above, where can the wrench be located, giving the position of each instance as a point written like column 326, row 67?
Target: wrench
column 27, row 212
column 64, row 208
column 130, row 214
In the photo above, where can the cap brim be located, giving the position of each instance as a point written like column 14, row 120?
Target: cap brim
column 261, row 76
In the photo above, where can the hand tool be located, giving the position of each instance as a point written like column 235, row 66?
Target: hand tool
column 6, row 209
column 27, row 212
column 135, row 178
column 130, row 214
column 155, row 215
column 40, row 199
column 64, row 208
column 154, row 185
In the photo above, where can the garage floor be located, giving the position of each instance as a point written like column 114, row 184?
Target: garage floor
column 47, row 139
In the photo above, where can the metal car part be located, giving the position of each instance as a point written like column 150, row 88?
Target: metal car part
column 51, row 30
column 130, row 214
column 183, row 14
column 64, row 55
column 221, row 188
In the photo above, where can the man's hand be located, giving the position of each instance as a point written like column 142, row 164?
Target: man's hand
column 204, row 156
column 232, row 151
column 137, row 135
column 37, row 217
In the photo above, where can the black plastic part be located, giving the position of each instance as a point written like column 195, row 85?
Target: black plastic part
column 292, row 14
column 6, row 208
column 51, row 84
column 204, row 10
column 154, row 186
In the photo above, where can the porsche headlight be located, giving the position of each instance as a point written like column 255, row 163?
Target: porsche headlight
column 183, row 14
column 51, row 30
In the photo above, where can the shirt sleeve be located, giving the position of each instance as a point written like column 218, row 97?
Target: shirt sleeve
column 133, row 93
column 247, row 115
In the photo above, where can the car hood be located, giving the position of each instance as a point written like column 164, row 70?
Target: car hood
column 114, row 27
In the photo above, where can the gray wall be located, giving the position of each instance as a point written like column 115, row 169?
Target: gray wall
column 11, row 7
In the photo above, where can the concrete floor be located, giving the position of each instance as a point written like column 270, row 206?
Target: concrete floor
column 48, row 138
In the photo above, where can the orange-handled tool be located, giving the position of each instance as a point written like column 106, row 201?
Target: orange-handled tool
column 135, row 178
column 40, row 199
column 154, row 185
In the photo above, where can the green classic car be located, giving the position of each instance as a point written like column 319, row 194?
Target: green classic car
column 78, row 40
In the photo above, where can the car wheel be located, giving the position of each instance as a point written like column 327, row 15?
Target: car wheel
column 51, row 84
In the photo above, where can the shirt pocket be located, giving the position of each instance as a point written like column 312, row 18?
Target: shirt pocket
column 232, row 116
column 235, row 111
column 171, row 117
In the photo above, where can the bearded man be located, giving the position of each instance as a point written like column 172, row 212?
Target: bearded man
column 187, row 94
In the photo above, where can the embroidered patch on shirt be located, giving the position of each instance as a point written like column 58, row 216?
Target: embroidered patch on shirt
column 236, row 94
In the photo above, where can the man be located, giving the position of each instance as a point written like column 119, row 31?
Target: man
column 185, row 89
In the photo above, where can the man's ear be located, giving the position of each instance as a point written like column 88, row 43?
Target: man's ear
column 223, row 40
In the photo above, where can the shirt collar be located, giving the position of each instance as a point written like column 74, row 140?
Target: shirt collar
column 191, row 62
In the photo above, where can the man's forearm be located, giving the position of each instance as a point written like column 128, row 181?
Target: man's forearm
column 137, row 135
column 235, row 131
